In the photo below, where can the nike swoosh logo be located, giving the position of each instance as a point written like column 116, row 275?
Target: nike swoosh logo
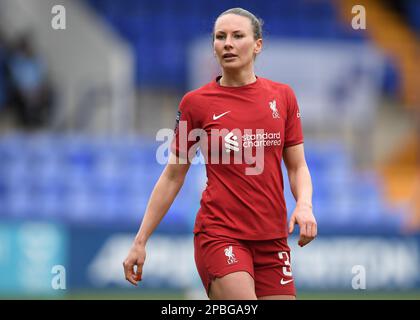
column 283, row 282
column 220, row 115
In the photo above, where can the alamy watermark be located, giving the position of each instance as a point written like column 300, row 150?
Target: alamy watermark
column 218, row 146
column 358, row 281
column 58, row 22
column 359, row 20
column 58, row 281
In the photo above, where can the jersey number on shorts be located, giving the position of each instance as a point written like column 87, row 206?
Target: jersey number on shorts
column 287, row 271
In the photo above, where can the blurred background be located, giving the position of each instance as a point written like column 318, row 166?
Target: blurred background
column 80, row 108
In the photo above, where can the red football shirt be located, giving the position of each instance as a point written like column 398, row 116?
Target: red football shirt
column 241, row 132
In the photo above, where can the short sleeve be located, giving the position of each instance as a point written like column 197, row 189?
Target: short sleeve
column 186, row 121
column 293, row 129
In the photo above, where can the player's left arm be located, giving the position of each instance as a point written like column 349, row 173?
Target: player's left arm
column 301, row 187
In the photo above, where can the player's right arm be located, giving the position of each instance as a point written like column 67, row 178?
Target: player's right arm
column 162, row 197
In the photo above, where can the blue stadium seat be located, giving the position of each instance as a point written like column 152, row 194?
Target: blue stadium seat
column 92, row 180
column 150, row 24
column 413, row 10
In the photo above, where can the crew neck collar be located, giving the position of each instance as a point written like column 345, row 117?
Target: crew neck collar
column 246, row 86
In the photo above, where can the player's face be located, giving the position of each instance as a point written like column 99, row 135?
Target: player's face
column 234, row 44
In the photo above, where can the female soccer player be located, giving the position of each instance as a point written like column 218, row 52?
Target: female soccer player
column 240, row 233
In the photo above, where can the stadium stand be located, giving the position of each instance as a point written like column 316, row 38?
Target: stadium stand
column 161, row 48
column 88, row 180
column 88, row 173
column 84, row 179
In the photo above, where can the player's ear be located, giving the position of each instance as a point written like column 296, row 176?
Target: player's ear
column 258, row 46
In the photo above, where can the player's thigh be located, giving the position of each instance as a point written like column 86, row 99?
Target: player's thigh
column 277, row 297
column 226, row 265
column 233, row 286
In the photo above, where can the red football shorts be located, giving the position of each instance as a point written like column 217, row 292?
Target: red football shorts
column 267, row 261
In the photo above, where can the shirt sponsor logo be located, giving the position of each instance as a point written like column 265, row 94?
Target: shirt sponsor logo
column 231, row 143
column 223, row 146
column 264, row 139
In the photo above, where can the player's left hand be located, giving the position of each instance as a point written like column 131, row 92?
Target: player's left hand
column 303, row 216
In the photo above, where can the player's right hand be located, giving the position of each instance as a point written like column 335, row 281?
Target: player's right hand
column 136, row 257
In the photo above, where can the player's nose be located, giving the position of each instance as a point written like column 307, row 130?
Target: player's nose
column 228, row 42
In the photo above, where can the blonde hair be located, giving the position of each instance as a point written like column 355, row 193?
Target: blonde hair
column 256, row 23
